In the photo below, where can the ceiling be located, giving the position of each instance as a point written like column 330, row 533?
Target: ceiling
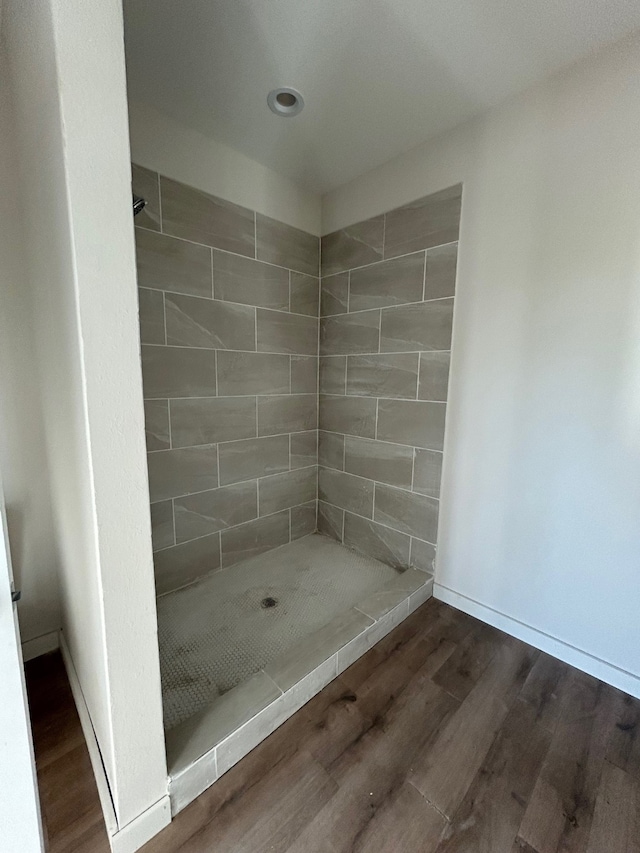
column 378, row 76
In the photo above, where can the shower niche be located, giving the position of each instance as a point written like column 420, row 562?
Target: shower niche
column 295, row 399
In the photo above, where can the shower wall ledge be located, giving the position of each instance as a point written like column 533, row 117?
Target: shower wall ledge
column 205, row 746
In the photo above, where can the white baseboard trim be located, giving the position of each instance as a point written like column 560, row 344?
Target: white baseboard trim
column 41, row 645
column 136, row 833
column 607, row 672
column 92, row 744
column 141, row 829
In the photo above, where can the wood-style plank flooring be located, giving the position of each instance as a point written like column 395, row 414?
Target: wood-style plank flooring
column 447, row 737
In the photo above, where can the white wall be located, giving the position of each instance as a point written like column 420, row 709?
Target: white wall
column 23, row 460
column 540, row 522
column 67, row 74
column 161, row 144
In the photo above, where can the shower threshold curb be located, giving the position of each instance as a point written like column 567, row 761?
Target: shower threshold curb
column 204, row 747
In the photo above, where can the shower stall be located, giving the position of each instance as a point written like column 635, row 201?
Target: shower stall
column 295, row 397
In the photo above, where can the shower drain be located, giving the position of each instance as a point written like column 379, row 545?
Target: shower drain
column 269, row 602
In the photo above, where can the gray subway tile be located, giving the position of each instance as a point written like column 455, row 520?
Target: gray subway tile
column 252, row 458
column 207, row 420
column 196, row 322
column 304, row 449
column 406, row 584
column 427, row 473
column 427, row 222
column 330, row 520
column 349, row 415
column 251, row 282
column 181, row 472
column 165, row 263
column 333, row 374
column 407, row 512
column 151, row 311
column 162, row 525
column 281, row 491
column 383, row 375
column 346, row 491
column 195, row 215
column 441, row 271
column 178, row 372
column 334, row 294
column 156, row 421
column 354, row 246
column 381, row 543
column 314, row 651
column 208, row 512
column 185, row 563
column 304, row 374
column 304, row 520
column 379, row 460
column 290, row 333
column 305, row 294
column 350, row 333
column 144, row 183
column 393, row 282
column 295, row 413
column 331, row 450
column 252, row 373
column 255, row 537
column 411, row 422
column 417, row 327
column 286, row 246
column 434, row 375
column 423, row 555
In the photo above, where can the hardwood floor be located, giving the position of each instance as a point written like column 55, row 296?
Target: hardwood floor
column 446, row 737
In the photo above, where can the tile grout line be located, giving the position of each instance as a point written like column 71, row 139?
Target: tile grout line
column 413, row 468
column 384, row 235
column 375, row 521
column 160, row 202
column 249, row 305
column 237, row 526
column 213, row 285
column 393, row 258
column 424, row 278
column 309, row 354
column 279, row 266
column 298, row 432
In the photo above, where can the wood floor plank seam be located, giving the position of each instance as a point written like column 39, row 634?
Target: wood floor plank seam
column 429, row 803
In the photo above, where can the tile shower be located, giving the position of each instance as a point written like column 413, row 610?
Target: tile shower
column 246, row 352
column 388, row 287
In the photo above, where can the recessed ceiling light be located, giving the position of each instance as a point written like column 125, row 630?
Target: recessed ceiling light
column 285, row 101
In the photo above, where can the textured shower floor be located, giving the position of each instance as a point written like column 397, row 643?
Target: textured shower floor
column 216, row 633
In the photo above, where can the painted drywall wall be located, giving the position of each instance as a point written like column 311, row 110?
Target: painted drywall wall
column 23, row 461
column 67, row 75
column 541, row 486
column 161, row 144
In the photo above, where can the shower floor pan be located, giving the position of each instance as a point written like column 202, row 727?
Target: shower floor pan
column 246, row 647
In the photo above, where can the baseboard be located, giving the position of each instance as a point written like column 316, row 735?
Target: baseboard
column 136, row 833
column 605, row 671
column 141, row 829
column 92, row 744
column 40, row 645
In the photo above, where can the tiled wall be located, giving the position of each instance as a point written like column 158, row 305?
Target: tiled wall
column 229, row 329
column 387, row 296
